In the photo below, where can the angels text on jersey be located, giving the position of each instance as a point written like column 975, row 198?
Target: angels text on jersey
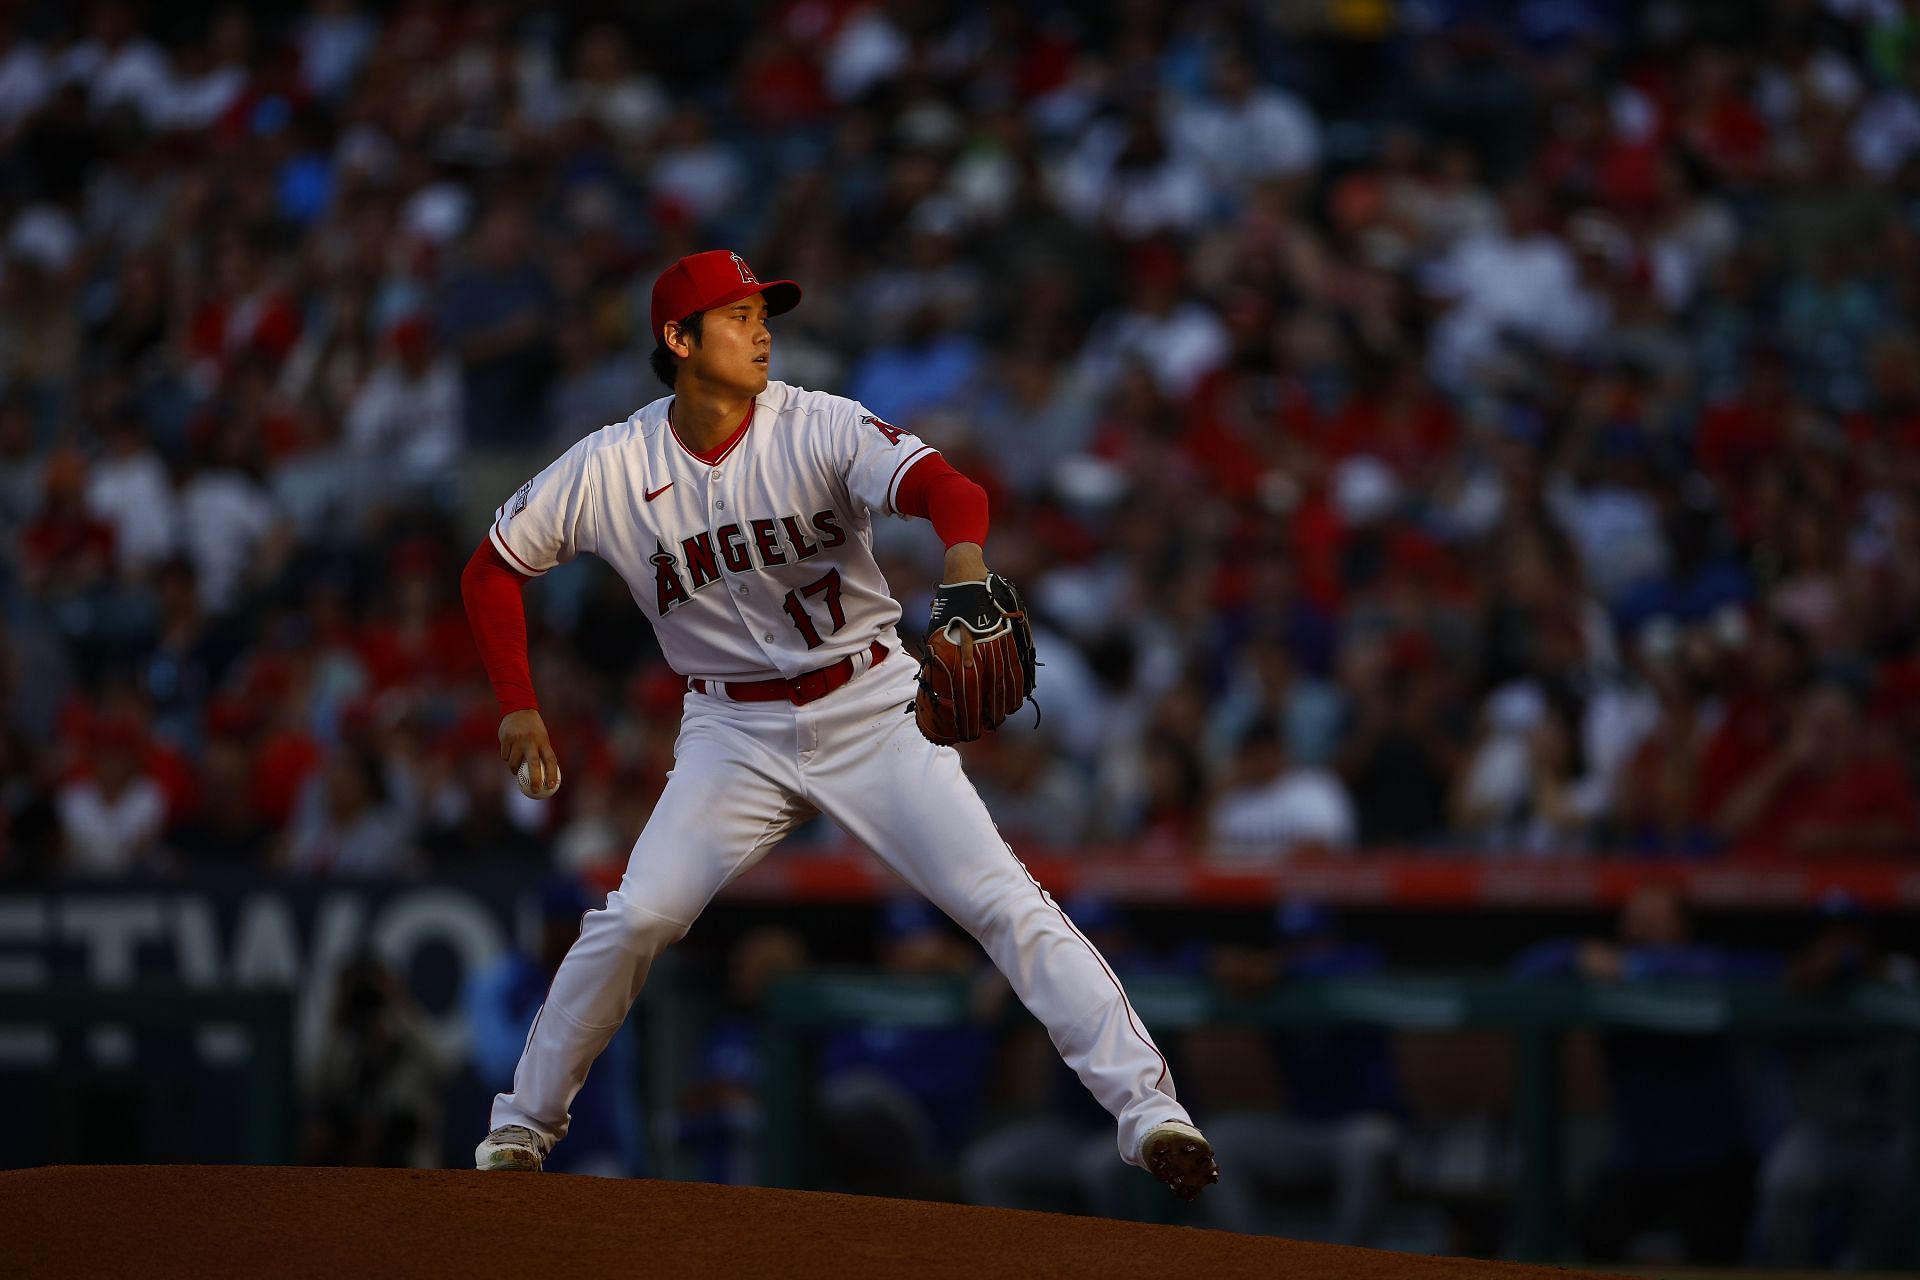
column 758, row 563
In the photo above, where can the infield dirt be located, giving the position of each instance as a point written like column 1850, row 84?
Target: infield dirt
column 187, row 1220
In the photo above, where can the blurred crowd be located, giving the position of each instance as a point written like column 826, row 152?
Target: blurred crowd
column 1477, row 425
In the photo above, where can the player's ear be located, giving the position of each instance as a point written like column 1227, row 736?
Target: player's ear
column 676, row 339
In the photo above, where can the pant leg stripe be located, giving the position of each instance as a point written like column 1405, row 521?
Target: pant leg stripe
column 1102, row 960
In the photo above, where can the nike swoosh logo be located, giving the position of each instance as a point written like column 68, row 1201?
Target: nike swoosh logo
column 657, row 492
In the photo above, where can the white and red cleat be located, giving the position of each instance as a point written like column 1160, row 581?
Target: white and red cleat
column 511, row 1148
column 1180, row 1156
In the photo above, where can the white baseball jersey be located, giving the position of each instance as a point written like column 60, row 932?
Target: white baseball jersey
column 759, row 564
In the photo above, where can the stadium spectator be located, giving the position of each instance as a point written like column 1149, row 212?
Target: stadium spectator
column 1342, row 1126
column 600, row 376
column 1165, row 816
column 1037, row 797
column 376, row 1094
column 22, row 468
column 1274, row 806
column 720, row 1108
column 129, row 490
column 1127, row 176
column 698, row 176
column 1402, row 750
column 230, row 528
column 1177, row 338
column 473, row 814
column 343, row 823
column 1267, row 683
column 191, row 653
column 65, row 551
column 1681, row 1156
column 608, row 89
column 1834, row 1185
column 497, row 315
column 37, row 680
column 404, row 424
column 1245, row 131
column 1654, row 800
column 332, row 39
column 926, row 365
column 224, row 832
column 1516, row 792
column 896, row 1102
column 1835, row 785
column 26, row 79
column 1518, row 284
column 29, row 819
column 112, row 816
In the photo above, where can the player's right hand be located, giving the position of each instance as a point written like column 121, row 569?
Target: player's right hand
column 523, row 740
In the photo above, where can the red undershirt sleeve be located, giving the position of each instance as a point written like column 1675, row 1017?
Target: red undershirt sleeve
column 934, row 491
column 490, row 588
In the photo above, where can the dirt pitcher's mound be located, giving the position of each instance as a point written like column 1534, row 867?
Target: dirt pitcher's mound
column 185, row 1220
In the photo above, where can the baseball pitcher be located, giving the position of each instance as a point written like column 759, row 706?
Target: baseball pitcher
column 740, row 513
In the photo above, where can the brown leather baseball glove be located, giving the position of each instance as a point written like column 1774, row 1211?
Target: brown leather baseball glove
column 979, row 666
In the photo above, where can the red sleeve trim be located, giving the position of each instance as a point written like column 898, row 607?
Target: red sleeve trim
column 900, row 472
column 490, row 588
column 910, row 495
column 493, row 537
column 956, row 505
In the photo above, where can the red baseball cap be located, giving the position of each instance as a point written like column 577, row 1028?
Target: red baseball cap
column 703, row 281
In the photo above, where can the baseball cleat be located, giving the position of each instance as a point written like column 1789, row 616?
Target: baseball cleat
column 512, row 1148
column 1180, row 1156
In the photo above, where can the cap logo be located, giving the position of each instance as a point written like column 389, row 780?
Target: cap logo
column 746, row 272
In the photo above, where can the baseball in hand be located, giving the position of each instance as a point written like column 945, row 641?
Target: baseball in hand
column 526, row 782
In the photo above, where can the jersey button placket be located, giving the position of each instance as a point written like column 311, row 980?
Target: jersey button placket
column 741, row 590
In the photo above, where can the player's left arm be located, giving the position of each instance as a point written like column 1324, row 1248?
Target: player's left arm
column 956, row 506
column 979, row 665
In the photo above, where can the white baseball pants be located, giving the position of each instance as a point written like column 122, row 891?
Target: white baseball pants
column 744, row 775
